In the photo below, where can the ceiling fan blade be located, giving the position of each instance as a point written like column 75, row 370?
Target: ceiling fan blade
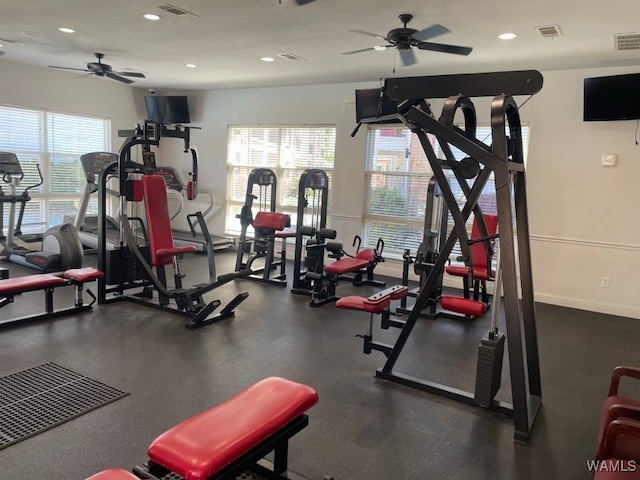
column 430, row 32
column 407, row 56
column 380, row 37
column 118, row 78
column 69, row 68
column 441, row 47
column 358, row 51
column 131, row 74
column 302, row 2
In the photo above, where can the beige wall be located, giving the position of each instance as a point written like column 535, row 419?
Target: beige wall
column 27, row 86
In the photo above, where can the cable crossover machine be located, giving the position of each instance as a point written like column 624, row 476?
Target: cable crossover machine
column 504, row 158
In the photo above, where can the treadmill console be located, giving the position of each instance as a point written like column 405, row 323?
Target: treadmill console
column 171, row 177
column 94, row 163
column 9, row 164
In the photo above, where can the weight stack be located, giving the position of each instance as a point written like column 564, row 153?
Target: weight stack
column 489, row 371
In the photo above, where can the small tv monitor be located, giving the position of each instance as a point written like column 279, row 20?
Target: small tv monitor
column 167, row 109
column 371, row 104
column 615, row 97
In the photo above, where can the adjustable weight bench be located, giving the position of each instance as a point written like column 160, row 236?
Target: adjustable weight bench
column 47, row 282
column 378, row 303
column 230, row 438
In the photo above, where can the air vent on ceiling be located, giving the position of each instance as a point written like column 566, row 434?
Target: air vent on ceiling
column 167, row 7
column 549, row 31
column 627, row 41
column 292, row 56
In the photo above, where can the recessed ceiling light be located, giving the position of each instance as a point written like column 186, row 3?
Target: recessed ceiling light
column 152, row 16
column 67, row 30
column 379, row 48
column 190, row 65
column 267, row 59
column 507, row 36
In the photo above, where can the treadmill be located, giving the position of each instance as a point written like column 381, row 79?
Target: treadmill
column 93, row 165
column 174, row 183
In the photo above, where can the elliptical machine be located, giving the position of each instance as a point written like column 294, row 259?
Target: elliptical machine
column 61, row 247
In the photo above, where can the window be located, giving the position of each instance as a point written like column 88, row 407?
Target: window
column 287, row 150
column 54, row 142
column 397, row 175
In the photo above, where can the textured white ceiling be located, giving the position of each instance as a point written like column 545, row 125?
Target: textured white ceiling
column 227, row 38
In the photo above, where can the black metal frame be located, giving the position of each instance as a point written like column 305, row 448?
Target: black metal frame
column 505, row 159
column 189, row 302
column 277, row 443
column 50, row 312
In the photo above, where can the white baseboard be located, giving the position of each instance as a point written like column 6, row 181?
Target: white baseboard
column 582, row 304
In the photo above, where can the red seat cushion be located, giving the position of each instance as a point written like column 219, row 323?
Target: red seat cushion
column 354, row 302
column 113, row 474
column 199, row 447
column 83, row 274
column 346, row 265
column 366, row 254
column 29, row 282
column 176, row 250
column 626, row 447
column 464, row 306
column 271, row 221
column 479, row 273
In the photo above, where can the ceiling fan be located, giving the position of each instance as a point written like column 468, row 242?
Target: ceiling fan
column 100, row 69
column 403, row 39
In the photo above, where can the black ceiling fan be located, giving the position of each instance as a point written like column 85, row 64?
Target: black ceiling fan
column 404, row 38
column 100, row 69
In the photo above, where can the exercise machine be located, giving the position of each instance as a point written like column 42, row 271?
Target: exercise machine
column 61, row 248
column 142, row 267
column 505, row 159
column 268, row 226
column 312, row 235
column 227, row 441
column 175, row 184
column 93, row 164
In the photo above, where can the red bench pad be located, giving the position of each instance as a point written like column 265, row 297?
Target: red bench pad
column 271, row 221
column 199, row 447
column 366, row 254
column 346, row 265
column 83, row 274
column 176, row 250
column 354, row 302
column 113, row 474
column 479, row 273
column 29, row 282
column 465, row 306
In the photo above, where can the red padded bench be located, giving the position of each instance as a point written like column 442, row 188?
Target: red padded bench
column 46, row 282
column 234, row 435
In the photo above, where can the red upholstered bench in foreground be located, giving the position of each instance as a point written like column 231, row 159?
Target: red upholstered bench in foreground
column 232, row 437
column 113, row 474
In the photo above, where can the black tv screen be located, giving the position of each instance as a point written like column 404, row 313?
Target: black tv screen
column 167, row 109
column 370, row 105
column 616, row 97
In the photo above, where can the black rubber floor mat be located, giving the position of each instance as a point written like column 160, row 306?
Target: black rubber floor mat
column 45, row 396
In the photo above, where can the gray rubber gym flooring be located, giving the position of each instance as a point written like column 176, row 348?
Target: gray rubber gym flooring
column 362, row 428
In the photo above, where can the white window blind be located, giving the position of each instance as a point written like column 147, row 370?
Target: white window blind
column 397, row 175
column 287, row 150
column 54, row 141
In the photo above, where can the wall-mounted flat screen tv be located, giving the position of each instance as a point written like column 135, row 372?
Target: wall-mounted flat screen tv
column 369, row 104
column 616, row 97
column 167, row 109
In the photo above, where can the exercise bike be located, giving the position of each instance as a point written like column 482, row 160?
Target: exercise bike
column 61, row 247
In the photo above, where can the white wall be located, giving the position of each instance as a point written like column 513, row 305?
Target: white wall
column 584, row 217
column 27, row 86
